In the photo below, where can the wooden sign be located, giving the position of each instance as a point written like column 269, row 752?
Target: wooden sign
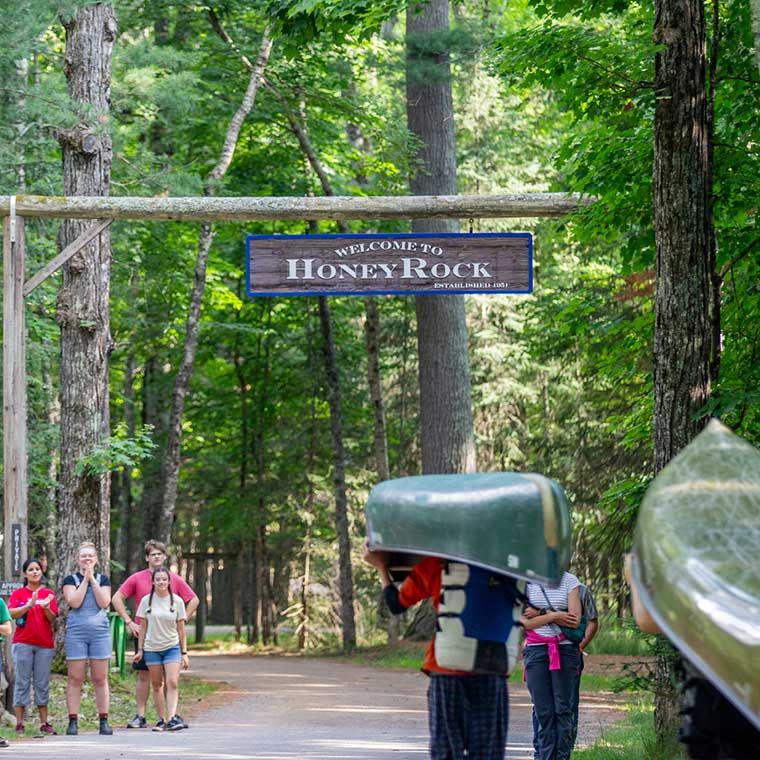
column 398, row 263
column 8, row 587
column 16, row 548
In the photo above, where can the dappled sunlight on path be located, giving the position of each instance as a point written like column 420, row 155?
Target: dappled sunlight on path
column 283, row 708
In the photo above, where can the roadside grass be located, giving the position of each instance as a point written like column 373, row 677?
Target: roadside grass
column 191, row 690
column 631, row 739
column 225, row 643
column 407, row 655
column 617, row 636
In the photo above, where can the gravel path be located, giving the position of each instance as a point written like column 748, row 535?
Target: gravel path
column 294, row 707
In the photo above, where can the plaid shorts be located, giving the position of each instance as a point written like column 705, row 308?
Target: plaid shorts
column 468, row 714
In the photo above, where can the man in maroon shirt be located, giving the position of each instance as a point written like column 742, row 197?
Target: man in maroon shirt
column 136, row 587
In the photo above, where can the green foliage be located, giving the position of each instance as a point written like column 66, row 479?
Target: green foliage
column 303, row 21
column 554, row 95
column 619, row 637
column 117, row 452
column 633, row 739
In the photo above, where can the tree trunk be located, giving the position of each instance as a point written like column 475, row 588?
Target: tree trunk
column 372, row 337
column 201, row 576
column 755, row 7
column 372, row 320
column 185, row 371
column 82, row 311
column 446, row 427
column 154, row 413
column 345, row 576
column 682, row 226
column 125, row 502
column 52, row 402
column 252, row 598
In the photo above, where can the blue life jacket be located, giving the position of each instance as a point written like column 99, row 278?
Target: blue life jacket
column 476, row 620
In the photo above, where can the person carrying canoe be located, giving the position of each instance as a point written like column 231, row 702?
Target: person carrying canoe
column 467, row 659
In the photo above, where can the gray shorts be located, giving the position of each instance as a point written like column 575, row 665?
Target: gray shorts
column 88, row 643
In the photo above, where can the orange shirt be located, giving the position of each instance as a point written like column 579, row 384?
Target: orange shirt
column 422, row 582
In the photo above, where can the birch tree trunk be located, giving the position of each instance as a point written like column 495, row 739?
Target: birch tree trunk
column 682, row 226
column 345, row 575
column 82, row 310
column 446, row 428
column 185, row 371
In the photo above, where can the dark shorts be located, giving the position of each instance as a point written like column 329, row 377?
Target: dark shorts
column 468, row 714
column 140, row 664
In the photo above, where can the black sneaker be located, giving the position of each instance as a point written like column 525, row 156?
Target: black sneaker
column 160, row 725
column 182, row 721
column 175, row 724
column 105, row 729
column 73, row 728
column 137, row 722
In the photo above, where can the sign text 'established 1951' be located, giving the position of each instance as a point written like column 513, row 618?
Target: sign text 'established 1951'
column 293, row 265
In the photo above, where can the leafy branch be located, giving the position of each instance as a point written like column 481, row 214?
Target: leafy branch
column 117, row 452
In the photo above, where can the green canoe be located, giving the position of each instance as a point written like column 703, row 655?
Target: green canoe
column 511, row 523
column 697, row 563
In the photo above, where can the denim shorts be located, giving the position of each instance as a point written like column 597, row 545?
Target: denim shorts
column 88, row 643
column 172, row 654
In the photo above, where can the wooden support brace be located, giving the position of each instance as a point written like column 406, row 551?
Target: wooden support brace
column 54, row 265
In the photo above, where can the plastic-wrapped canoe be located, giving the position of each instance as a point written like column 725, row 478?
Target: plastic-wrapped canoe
column 515, row 524
column 697, row 561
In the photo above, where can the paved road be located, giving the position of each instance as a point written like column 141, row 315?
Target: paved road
column 292, row 707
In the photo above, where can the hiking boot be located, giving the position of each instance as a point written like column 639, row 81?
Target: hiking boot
column 137, row 722
column 182, row 721
column 105, row 729
column 175, row 724
column 160, row 726
column 73, row 728
column 46, row 728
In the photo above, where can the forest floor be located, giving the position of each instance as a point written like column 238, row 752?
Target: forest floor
column 275, row 707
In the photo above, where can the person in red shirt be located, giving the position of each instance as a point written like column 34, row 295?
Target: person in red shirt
column 34, row 608
column 137, row 586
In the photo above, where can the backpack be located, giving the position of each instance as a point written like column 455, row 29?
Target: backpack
column 477, row 612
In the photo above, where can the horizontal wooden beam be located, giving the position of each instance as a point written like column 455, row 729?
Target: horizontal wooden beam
column 296, row 208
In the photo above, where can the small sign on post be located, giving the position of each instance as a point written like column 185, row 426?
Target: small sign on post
column 397, row 263
column 8, row 587
column 16, row 548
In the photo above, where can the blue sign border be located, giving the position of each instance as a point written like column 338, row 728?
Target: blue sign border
column 406, row 235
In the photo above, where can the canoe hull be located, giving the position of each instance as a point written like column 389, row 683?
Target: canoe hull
column 697, row 567
column 515, row 524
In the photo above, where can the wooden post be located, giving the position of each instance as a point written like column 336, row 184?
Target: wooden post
column 14, row 399
column 201, row 573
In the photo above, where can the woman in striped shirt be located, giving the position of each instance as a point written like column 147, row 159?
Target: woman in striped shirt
column 551, row 663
